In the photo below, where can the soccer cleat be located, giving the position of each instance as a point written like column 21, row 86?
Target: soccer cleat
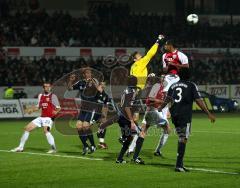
column 181, row 169
column 51, row 151
column 121, row 161
column 138, row 161
column 17, row 149
column 102, row 145
column 158, row 153
column 92, row 149
column 85, row 150
column 186, row 170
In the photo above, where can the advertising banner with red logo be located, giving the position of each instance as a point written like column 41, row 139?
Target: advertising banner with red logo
column 68, row 106
column 85, row 52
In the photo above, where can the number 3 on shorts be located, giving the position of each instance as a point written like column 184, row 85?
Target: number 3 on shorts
column 179, row 95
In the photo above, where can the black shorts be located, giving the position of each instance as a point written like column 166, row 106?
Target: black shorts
column 88, row 116
column 125, row 126
column 182, row 126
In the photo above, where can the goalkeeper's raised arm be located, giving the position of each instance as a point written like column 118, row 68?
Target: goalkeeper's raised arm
column 139, row 66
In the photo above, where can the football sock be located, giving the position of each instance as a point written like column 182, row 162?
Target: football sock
column 24, row 139
column 83, row 137
column 138, row 148
column 133, row 144
column 101, row 140
column 50, row 140
column 162, row 141
column 125, row 146
column 91, row 139
column 101, row 134
column 180, row 154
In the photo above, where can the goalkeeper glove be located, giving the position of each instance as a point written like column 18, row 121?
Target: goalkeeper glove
column 160, row 39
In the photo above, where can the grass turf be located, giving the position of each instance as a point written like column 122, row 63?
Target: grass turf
column 211, row 146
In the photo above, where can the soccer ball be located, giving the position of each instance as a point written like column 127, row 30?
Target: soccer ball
column 192, row 19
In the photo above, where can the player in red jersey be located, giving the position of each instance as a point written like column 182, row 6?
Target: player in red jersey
column 153, row 117
column 173, row 60
column 49, row 104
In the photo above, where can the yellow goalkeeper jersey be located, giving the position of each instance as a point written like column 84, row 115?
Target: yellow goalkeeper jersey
column 139, row 68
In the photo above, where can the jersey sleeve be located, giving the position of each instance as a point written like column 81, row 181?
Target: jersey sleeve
column 145, row 60
column 38, row 103
column 106, row 98
column 170, row 92
column 55, row 101
column 78, row 85
column 163, row 61
column 183, row 58
column 127, row 99
column 195, row 93
column 154, row 90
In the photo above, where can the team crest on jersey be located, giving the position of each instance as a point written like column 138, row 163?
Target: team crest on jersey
column 47, row 99
column 174, row 56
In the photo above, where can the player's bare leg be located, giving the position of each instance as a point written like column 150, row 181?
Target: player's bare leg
column 88, row 131
column 50, row 139
column 30, row 127
column 163, row 139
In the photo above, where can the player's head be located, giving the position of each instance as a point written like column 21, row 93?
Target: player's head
column 87, row 73
column 135, row 56
column 47, row 87
column 184, row 73
column 132, row 81
column 169, row 45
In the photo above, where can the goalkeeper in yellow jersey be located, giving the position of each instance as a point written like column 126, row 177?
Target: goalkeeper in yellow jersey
column 139, row 66
column 139, row 70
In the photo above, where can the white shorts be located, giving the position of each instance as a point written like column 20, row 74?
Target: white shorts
column 43, row 122
column 154, row 117
column 170, row 79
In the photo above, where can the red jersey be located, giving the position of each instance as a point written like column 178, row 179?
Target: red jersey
column 156, row 93
column 176, row 57
column 48, row 103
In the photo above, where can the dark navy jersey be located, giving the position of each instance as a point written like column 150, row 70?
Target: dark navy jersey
column 87, row 89
column 128, row 100
column 102, row 97
column 183, row 94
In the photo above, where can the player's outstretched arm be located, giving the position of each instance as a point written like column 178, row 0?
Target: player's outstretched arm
column 72, row 78
column 202, row 105
column 153, row 50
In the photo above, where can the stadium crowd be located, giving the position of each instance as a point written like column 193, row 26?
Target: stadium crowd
column 33, row 72
column 108, row 25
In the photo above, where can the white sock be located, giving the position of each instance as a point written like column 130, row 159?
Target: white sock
column 133, row 144
column 23, row 139
column 101, row 140
column 50, row 140
column 162, row 141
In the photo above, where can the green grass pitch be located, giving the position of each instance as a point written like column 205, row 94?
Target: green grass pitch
column 213, row 153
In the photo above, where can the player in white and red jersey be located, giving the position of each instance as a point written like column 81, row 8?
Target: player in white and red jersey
column 49, row 104
column 153, row 117
column 173, row 60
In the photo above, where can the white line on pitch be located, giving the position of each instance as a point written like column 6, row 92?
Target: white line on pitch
column 217, row 132
column 213, row 171
column 54, row 155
